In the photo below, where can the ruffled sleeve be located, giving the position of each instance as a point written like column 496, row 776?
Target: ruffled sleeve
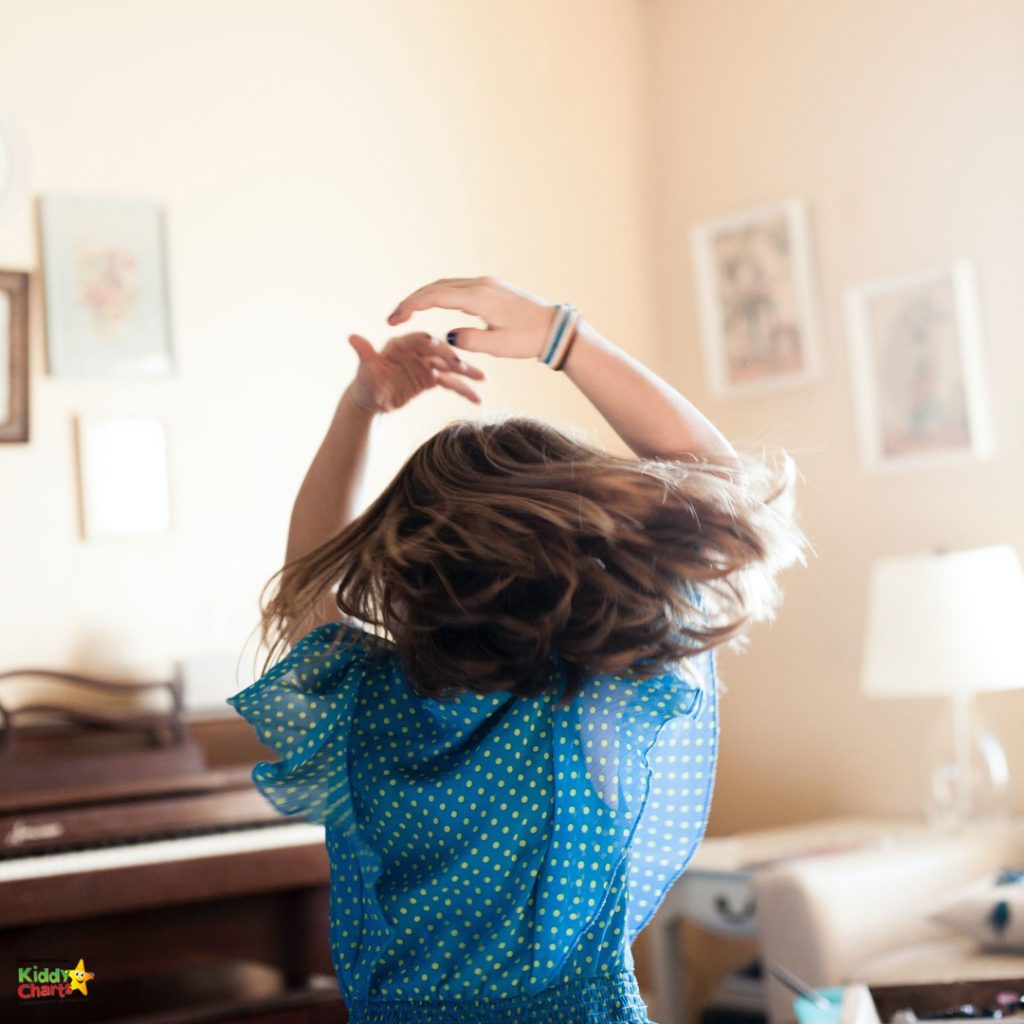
column 301, row 709
column 668, row 743
column 634, row 771
column 675, row 727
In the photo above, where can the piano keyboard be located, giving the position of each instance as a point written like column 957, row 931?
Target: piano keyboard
column 162, row 851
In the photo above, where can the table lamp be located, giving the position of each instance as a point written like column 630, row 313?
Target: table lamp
column 949, row 624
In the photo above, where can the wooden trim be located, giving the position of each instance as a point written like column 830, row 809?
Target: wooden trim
column 16, row 285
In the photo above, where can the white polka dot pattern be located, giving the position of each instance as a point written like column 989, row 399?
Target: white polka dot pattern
column 489, row 846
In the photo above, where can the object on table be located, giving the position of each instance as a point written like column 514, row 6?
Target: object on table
column 800, row 987
column 808, row 1012
column 998, row 999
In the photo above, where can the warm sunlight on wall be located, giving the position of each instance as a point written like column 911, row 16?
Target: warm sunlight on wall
column 898, row 124
column 319, row 161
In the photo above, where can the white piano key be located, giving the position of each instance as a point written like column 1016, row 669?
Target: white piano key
column 212, row 844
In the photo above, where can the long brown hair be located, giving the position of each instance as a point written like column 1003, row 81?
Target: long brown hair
column 500, row 543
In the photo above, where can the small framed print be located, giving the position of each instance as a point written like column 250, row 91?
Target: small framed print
column 918, row 369
column 105, row 287
column 756, row 300
column 13, row 355
column 123, row 476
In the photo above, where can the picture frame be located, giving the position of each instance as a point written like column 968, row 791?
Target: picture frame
column 123, row 475
column 917, row 368
column 756, row 300
column 105, row 287
column 14, row 330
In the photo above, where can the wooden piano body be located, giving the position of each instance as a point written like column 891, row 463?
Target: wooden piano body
column 141, row 845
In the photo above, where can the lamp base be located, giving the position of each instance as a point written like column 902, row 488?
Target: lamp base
column 969, row 778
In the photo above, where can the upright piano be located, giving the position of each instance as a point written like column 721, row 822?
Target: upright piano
column 139, row 845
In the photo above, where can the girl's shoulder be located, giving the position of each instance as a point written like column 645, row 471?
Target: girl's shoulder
column 325, row 651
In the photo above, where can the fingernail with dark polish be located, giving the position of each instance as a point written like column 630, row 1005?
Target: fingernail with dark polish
column 450, row 337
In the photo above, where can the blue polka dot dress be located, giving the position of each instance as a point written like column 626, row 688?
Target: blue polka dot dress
column 493, row 857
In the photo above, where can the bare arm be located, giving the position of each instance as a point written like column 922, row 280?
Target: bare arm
column 650, row 415
column 326, row 500
column 385, row 380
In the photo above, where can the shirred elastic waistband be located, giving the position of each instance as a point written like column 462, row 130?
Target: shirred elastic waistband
column 605, row 999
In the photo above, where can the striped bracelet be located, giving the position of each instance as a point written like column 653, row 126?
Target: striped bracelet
column 570, row 336
column 563, row 328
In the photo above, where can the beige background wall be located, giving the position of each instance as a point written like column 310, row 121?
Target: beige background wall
column 320, row 160
column 900, row 125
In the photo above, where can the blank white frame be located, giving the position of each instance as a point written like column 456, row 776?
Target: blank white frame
column 123, row 472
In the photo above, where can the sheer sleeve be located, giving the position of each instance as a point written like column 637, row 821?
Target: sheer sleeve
column 679, row 734
column 301, row 709
column 634, row 771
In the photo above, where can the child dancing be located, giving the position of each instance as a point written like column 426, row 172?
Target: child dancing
column 497, row 686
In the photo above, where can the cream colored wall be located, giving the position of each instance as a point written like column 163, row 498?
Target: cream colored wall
column 900, row 125
column 318, row 161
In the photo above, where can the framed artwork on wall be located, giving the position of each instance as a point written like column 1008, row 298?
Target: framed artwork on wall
column 122, row 465
column 105, row 287
column 13, row 355
column 755, row 299
column 918, row 369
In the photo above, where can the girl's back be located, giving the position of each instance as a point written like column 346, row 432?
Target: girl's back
column 500, row 850
column 513, row 751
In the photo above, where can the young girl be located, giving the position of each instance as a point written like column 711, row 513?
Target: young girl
column 499, row 691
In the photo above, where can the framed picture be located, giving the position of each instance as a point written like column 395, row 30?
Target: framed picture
column 13, row 355
column 917, row 366
column 105, row 285
column 756, row 300
column 123, row 475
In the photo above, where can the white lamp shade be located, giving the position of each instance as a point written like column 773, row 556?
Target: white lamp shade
column 945, row 624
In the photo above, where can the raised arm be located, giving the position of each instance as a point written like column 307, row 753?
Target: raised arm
column 326, row 499
column 650, row 415
column 384, row 381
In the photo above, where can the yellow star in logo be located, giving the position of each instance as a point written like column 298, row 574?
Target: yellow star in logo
column 79, row 977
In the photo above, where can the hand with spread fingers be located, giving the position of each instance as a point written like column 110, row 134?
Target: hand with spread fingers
column 650, row 415
column 517, row 321
column 406, row 366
